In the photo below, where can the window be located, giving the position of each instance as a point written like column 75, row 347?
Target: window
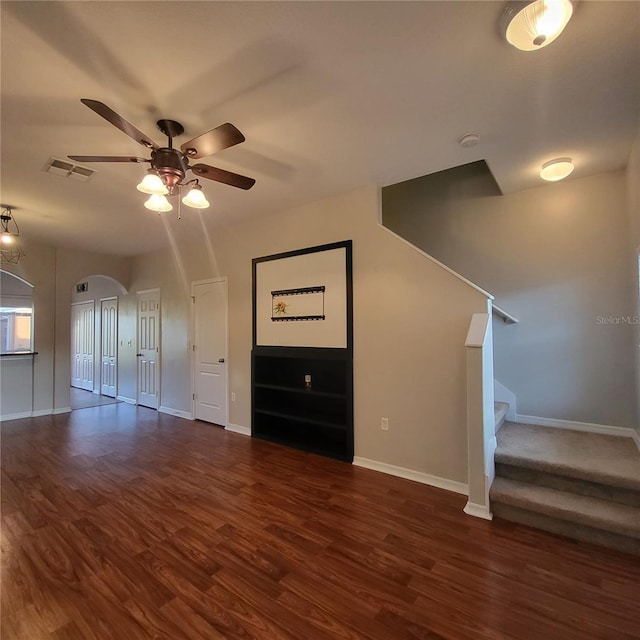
column 16, row 314
column 16, row 323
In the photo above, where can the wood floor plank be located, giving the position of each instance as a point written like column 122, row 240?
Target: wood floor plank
column 119, row 523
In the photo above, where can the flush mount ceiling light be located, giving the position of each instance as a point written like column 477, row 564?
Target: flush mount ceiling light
column 10, row 250
column 469, row 140
column 169, row 166
column 532, row 25
column 557, row 169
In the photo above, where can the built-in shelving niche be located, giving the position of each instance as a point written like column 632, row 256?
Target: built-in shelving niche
column 302, row 396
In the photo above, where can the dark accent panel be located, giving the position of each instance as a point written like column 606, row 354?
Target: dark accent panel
column 303, row 396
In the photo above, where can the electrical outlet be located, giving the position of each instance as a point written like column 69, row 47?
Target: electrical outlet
column 233, row 396
column 384, row 424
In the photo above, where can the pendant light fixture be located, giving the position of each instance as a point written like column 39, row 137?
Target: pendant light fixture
column 535, row 24
column 10, row 250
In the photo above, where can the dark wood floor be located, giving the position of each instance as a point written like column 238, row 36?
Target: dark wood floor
column 121, row 523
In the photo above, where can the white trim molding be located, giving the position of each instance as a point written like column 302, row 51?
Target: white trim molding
column 236, row 428
column 636, row 437
column 176, row 412
column 589, row 427
column 126, row 399
column 478, row 511
column 41, row 412
column 19, row 416
column 410, row 474
column 56, row 412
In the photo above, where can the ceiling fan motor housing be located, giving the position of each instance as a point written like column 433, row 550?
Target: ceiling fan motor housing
column 170, row 164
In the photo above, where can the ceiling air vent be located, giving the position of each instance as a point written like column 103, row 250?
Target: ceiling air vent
column 67, row 169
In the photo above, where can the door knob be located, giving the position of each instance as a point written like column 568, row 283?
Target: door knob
column 138, row 355
column 221, row 360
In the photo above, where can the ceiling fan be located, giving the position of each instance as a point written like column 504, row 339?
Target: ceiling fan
column 169, row 164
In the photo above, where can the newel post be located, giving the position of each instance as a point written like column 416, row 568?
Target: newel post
column 481, row 438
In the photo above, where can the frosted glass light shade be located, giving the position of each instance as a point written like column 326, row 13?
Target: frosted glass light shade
column 557, row 169
column 537, row 24
column 7, row 238
column 152, row 184
column 158, row 203
column 196, row 198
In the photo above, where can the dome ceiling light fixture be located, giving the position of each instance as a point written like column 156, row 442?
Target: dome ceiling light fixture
column 557, row 169
column 10, row 251
column 532, row 25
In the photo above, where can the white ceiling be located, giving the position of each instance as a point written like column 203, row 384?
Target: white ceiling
column 330, row 96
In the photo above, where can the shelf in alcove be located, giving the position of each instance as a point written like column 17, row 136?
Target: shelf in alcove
column 310, row 392
column 296, row 418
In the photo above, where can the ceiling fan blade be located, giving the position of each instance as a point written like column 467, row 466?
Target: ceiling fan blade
column 206, row 144
column 107, row 159
column 118, row 121
column 220, row 175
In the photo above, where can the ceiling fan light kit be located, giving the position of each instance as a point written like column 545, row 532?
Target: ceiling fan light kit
column 152, row 184
column 534, row 24
column 158, row 203
column 169, row 166
column 195, row 197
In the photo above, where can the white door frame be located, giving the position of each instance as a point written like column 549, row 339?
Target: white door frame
column 109, row 299
column 138, row 293
column 194, row 283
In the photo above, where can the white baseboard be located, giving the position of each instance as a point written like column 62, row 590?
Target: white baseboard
column 126, row 399
column 96, row 391
column 410, row 474
column 636, row 438
column 478, row 511
column 236, row 428
column 605, row 429
column 17, row 416
column 176, row 412
column 56, row 412
column 41, row 412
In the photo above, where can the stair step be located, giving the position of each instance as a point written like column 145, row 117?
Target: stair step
column 572, row 485
column 500, row 413
column 583, row 510
column 607, row 460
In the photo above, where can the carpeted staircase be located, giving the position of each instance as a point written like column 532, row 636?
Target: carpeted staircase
column 581, row 485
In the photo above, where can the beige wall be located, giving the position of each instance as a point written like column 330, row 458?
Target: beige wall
column 557, row 257
column 410, row 323
column 54, row 272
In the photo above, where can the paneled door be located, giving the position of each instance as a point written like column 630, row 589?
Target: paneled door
column 210, row 351
column 82, row 336
column 148, row 348
column 109, row 346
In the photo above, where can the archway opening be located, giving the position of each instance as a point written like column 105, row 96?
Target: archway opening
column 94, row 341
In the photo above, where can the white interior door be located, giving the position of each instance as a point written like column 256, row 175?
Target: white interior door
column 148, row 348
column 82, row 336
column 210, row 351
column 109, row 346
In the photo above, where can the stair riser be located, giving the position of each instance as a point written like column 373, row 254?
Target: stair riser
column 573, row 485
column 565, row 528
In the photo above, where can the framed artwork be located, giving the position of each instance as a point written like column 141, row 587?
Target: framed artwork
column 303, row 298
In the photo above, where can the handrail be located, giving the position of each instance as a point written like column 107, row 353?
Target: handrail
column 506, row 317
